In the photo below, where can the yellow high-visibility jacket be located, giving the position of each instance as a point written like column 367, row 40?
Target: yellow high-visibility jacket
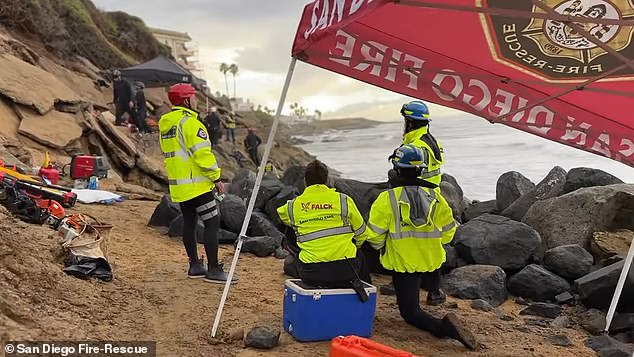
column 409, row 225
column 325, row 222
column 431, row 147
column 190, row 164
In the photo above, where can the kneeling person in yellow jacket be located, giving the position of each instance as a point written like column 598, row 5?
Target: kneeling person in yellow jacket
column 329, row 228
column 193, row 174
column 409, row 223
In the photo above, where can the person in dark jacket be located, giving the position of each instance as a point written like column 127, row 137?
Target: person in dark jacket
column 141, row 108
column 251, row 143
column 214, row 126
column 122, row 98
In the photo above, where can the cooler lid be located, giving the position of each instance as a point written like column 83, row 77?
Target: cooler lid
column 304, row 289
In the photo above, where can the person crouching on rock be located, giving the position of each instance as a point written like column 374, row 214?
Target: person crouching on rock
column 409, row 224
column 329, row 228
column 193, row 175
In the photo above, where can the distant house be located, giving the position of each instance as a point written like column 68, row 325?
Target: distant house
column 241, row 104
column 184, row 54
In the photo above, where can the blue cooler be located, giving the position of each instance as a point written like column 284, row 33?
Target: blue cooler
column 313, row 314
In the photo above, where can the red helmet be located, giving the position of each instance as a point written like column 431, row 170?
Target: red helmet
column 180, row 92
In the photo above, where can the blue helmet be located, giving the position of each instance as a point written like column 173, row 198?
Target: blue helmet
column 409, row 157
column 416, row 110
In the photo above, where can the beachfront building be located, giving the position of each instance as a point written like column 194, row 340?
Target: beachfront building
column 241, row 104
column 183, row 52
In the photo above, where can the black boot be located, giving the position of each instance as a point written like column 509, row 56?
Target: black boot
column 435, row 298
column 218, row 276
column 456, row 330
column 196, row 270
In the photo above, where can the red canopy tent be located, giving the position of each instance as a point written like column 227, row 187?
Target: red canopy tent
column 559, row 69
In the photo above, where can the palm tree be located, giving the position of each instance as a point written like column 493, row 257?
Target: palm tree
column 233, row 69
column 224, row 68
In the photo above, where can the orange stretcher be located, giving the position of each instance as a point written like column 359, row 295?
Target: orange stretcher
column 354, row 346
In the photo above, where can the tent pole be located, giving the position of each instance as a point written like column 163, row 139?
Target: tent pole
column 254, row 194
column 619, row 287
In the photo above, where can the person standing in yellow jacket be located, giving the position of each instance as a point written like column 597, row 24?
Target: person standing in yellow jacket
column 193, row 175
column 409, row 224
column 328, row 228
column 417, row 118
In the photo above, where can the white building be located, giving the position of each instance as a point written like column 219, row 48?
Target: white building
column 241, row 104
column 184, row 54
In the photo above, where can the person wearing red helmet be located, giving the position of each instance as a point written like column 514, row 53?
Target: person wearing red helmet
column 193, row 175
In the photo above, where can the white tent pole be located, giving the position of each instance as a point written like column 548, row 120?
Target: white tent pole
column 619, row 287
column 254, row 194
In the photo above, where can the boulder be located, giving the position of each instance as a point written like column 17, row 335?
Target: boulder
column 484, row 282
column 481, row 305
column 497, row 240
column 477, row 209
column 9, row 120
column 261, row 246
column 32, row 86
column 262, row 337
column 452, row 180
column 537, row 283
column 549, row 187
column 226, row 237
column 138, row 192
column 261, row 225
column 568, row 261
column 597, row 288
column 606, row 346
column 559, row 340
column 232, row 212
column 287, row 193
column 562, row 321
column 294, row 176
column 511, row 186
column 291, row 267
column 450, row 193
column 269, row 188
column 363, row 194
column 243, row 174
column 622, row 323
column 176, row 229
column 550, row 311
column 572, row 218
column 604, row 245
column 454, row 260
column 593, row 321
column 10, row 159
column 53, row 129
column 280, row 253
column 580, row 177
column 164, row 213
column 564, row 298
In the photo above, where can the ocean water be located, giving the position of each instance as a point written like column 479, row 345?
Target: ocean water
column 476, row 153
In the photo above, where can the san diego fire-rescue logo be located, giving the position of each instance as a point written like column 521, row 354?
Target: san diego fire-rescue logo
column 552, row 51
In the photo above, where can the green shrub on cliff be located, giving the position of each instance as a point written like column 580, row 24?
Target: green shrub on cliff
column 76, row 27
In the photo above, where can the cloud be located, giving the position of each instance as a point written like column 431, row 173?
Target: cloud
column 257, row 36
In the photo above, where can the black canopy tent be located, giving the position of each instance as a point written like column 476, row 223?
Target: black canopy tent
column 160, row 72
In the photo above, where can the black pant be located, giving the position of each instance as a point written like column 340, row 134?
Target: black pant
column 334, row 275
column 140, row 121
column 253, row 153
column 430, row 281
column 205, row 207
column 407, row 287
column 122, row 108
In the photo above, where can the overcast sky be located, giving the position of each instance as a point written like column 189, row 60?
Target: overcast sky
column 257, row 35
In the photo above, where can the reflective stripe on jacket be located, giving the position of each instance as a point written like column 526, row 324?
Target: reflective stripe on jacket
column 325, row 222
column 190, row 164
column 410, row 224
column 422, row 139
